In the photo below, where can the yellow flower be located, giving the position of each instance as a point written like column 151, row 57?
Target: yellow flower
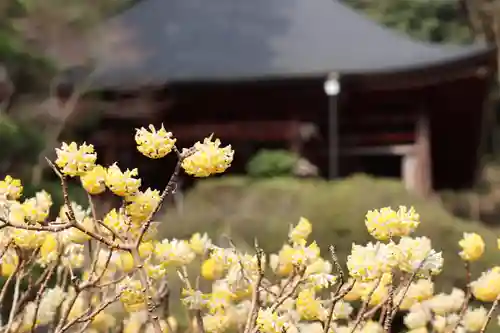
column 153, row 143
column 141, row 205
column 220, row 298
column 474, row 319
column 419, row 330
column 155, row 272
column 379, row 293
column 443, row 304
column 49, row 250
column 125, row 261
column 282, row 263
column 208, row 158
column 37, row 209
column 301, row 231
column 216, row 323
column 356, row 292
column 77, row 236
column 417, row 254
column 419, row 291
column 175, row 252
column 200, row 244
column 94, row 181
column 28, row 239
column 132, row 325
column 386, row 223
column 472, row 247
column 132, row 295
column 210, row 270
column 75, row 161
column 371, row 327
column 486, row 288
column 103, row 321
column 11, row 188
column 308, row 307
column 146, row 249
column 370, row 262
column 116, row 221
column 121, row 183
column 270, row 322
column 9, row 263
column 17, row 213
column 417, row 318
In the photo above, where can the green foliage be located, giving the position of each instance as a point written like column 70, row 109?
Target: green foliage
column 28, row 28
column 21, row 143
column 263, row 209
column 427, row 20
column 272, row 163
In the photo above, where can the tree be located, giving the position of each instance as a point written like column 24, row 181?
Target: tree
column 427, row 20
column 37, row 39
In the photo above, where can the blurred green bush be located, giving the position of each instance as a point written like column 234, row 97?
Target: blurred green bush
column 20, row 143
column 246, row 209
column 272, row 163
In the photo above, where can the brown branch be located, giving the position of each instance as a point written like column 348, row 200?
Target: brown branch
column 468, row 295
column 88, row 318
column 254, row 308
column 337, row 296
column 39, row 295
column 490, row 314
column 169, row 189
column 359, row 317
column 153, row 319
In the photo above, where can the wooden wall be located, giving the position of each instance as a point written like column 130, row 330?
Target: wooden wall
column 269, row 114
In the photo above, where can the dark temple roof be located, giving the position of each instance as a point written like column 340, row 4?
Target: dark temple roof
column 160, row 41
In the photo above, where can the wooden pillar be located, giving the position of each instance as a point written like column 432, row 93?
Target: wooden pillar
column 408, row 171
column 295, row 139
column 417, row 165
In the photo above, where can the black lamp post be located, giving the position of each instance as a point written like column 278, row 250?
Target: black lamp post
column 332, row 90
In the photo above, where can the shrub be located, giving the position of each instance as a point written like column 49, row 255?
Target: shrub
column 96, row 270
column 263, row 209
column 272, row 163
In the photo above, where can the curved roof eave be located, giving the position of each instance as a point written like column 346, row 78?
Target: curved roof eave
column 179, row 41
column 445, row 67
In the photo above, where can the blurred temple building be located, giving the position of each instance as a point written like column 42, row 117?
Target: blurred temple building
column 313, row 76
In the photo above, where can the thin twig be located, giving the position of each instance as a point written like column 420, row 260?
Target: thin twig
column 14, row 306
column 143, row 278
column 490, row 314
column 39, row 295
column 407, row 287
column 254, row 308
column 169, row 189
column 362, row 311
column 388, row 310
column 335, row 298
column 468, row 295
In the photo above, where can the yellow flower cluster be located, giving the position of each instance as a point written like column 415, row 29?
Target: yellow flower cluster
column 153, row 143
column 386, row 223
column 114, row 266
column 472, row 247
column 208, row 158
column 10, row 188
column 116, row 256
column 74, row 160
